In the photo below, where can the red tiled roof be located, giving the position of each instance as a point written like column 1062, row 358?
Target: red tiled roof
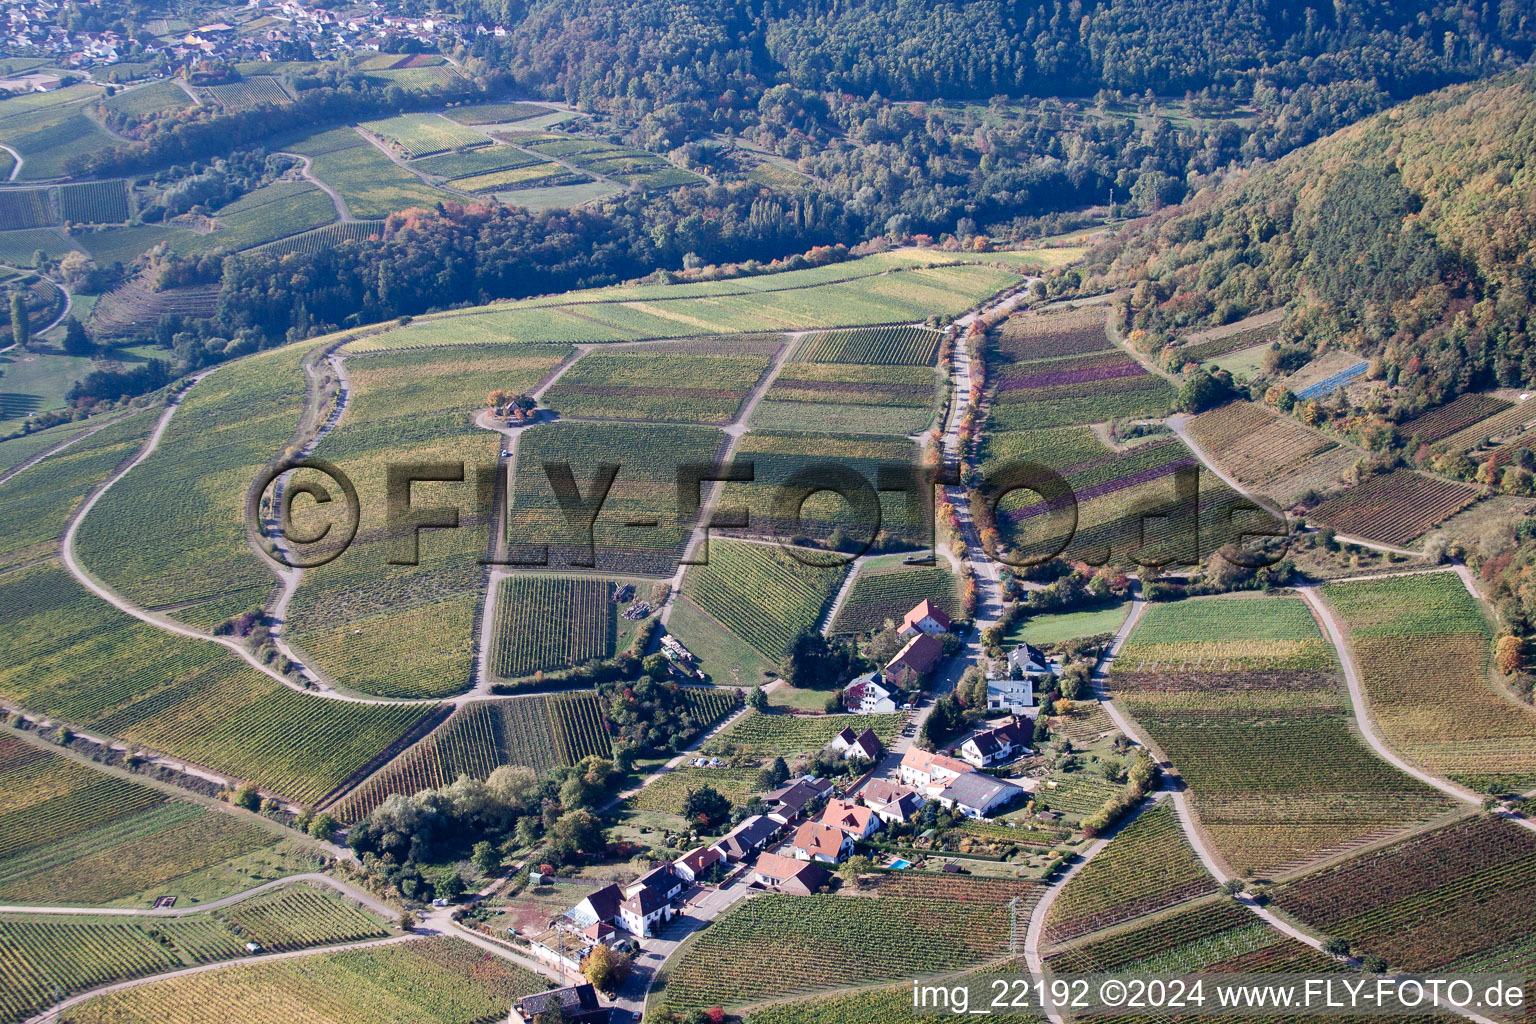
column 927, row 609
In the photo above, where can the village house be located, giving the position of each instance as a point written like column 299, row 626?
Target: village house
column 929, row 773
column 786, row 874
column 822, row 843
column 927, row 617
column 867, row 695
column 994, row 746
column 915, row 660
column 601, row 907
column 745, row 839
column 977, row 795
column 790, row 800
column 859, row 822
column 662, row 879
column 697, row 864
column 892, row 803
column 643, row 912
column 1013, row 696
column 577, row 1005
column 849, row 745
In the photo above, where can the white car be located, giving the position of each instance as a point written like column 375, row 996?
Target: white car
column 439, row 902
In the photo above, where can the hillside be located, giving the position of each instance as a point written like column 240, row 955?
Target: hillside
column 1405, row 237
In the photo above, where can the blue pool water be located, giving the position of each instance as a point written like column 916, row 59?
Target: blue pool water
column 901, row 865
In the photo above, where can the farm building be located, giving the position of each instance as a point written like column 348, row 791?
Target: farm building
column 601, row 907
column 915, row 660
column 867, row 695
column 977, row 795
column 577, row 1005
column 926, row 617
column 786, row 874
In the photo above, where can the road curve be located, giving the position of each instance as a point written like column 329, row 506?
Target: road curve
column 16, row 167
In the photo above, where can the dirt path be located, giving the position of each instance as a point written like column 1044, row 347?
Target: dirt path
column 40, row 456
column 16, row 167
column 343, row 215
column 345, row 888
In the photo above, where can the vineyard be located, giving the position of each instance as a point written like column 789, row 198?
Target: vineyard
column 135, row 303
column 916, row 925
column 1328, row 385
column 686, row 383
column 425, row 650
column 649, row 456
column 248, row 94
column 907, row 387
column 761, row 594
column 1257, row 726
column 521, row 176
column 26, row 208
column 669, row 791
column 43, row 959
column 425, row 134
column 1027, row 336
column 1083, row 389
column 108, row 844
column 1423, row 651
column 877, row 1006
column 1249, row 333
column 497, row 113
column 481, row 160
column 878, row 596
column 1215, row 937
column 873, row 346
column 538, row 731
column 439, row 980
column 772, row 733
column 324, row 238
column 547, row 622
column 20, row 248
column 372, row 186
column 94, row 202
column 1266, row 452
column 1428, row 901
column 1148, row 867
column 1440, row 423
column 1395, row 507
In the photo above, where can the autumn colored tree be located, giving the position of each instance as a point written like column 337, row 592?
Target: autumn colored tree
column 1509, row 653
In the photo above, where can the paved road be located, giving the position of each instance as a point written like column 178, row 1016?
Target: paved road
column 17, row 157
column 655, row 951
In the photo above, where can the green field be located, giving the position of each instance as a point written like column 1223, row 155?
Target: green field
column 761, row 594
column 66, row 653
column 496, row 113
column 49, row 128
column 150, row 99
column 699, row 382
column 274, row 211
column 422, row 650
column 369, row 182
column 480, row 160
column 47, row 958
column 36, row 382
column 880, row 346
column 437, row 980
column 94, row 202
column 551, row 622
column 1055, row 629
column 18, row 248
column 424, row 134
column 724, row 657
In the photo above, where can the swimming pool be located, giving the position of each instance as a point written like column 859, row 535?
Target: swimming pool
column 900, row 865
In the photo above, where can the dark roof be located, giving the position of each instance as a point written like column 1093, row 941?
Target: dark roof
column 796, row 795
column 975, row 789
column 663, row 879
column 646, row 901
column 921, row 654
column 605, row 902
column 572, row 999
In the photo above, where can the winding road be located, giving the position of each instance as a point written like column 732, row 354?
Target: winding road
column 17, row 157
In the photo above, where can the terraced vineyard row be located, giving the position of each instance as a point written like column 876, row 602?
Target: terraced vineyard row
column 874, row 346
column 761, row 594
column 43, row 959
column 760, row 733
column 1028, row 336
column 1395, row 507
column 877, row 596
column 548, row 622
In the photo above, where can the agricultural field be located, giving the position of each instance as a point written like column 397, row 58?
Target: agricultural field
column 1439, row 423
column 721, row 655
column 868, row 1006
column 76, row 835
column 1216, row 938
column 247, row 94
column 423, row 650
column 881, row 289
column 901, row 398
column 548, row 622
column 915, row 925
column 1271, row 454
column 35, row 505
column 540, row 731
column 645, row 490
column 481, row 160
column 1423, row 649
column 521, row 176
column 26, row 208
column 875, row 346
column 1438, row 899
column 891, row 593
column 327, row 237
column 163, row 95
column 173, row 530
column 761, row 594
column 134, row 305
column 1325, row 387
column 94, row 202
column 49, row 128
column 437, row 980
column 1251, row 332
column 771, row 733
column 684, row 382
column 1147, row 867
column 1028, row 336
column 496, row 113
column 46, row 958
column 68, row 654
column 370, row 184
column 1089, row 388
column 272, row 212
column 1395, row 507
column 1243, row 696
column 559, row 197
column 416, row 135
column 19, row 248
column 670, row 791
